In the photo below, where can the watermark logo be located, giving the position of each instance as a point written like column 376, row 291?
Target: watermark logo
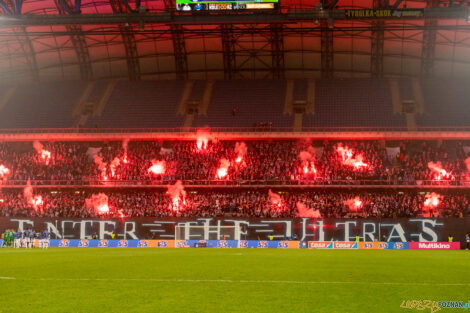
column 434, row 306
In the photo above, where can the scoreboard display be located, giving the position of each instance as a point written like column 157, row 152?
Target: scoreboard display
column 225, row 5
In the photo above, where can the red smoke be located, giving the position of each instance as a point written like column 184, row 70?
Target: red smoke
column 125, row 144
column 439, row 172
column 99, row 203
column 347, row 156
column 304, row 212
column 44, row 154
column 222, row 171
column 202, row 139
column 240, row 150
column 114, row 164
column 177, row 195
column 275, row 199
column 35, row 201
column 354, row 204
column 467, row 163
column 101, row 165
column 158, row 167
column 307, row 158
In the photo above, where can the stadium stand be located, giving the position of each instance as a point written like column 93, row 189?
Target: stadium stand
column 446, row 103
column 144, row 104
column 353, row 103
column 41, row 105
column 246, row 104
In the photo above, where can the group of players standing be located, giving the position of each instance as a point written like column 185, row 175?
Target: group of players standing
column 25, row 239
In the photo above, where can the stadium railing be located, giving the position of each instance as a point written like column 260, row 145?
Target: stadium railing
column 227, row 129
column 147, row 183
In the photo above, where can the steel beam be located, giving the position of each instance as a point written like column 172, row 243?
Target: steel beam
column 429, row 41
column 377, row 43
column 327, row 60
column 166, row 18
column 228, row 51
column 78, row 41
column 277, row 51
column 179, row 51
column 128, row 39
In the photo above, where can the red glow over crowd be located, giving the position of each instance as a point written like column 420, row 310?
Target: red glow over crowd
column 237, row 203
column 277, row 162
column 209, row 161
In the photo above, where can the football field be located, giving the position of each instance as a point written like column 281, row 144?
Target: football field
column 228, row 280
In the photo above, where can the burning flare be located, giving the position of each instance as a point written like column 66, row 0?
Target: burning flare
column 222, row 171
column 275, row 199
column 307, row 158
column 98, row 203
column 240, row 150
column 354, row 204
column 432, row 200
column 114, row 164
column 158, row 167
column 177, row 195
column 347, row 156
column 4, row 171
column 44, row 154
column 35, row 201
column 439, row 172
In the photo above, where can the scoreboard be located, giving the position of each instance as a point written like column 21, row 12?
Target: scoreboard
column 224, row 5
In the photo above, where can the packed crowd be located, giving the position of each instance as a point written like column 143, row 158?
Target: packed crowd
column 325, row 204
column 269, row 162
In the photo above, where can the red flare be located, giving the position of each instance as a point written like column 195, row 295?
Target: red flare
column 309, row 168
column 275, row 199
column 439, row 172
column 4, row 171
column 37, row 202
column 114, row 164
column 44, row 154
column 354, row 204
column 222, row 171
column 103, row 209
column 178, row 196
column 98, row 202
column 158, row 167
column 347, row 156
column 432, row 200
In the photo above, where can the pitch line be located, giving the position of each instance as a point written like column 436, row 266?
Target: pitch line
column 295, row 282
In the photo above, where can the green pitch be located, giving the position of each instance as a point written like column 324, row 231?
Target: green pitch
column 228, row 280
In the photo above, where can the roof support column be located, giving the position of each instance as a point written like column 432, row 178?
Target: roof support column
column 429, row 41
column 128, row 39
column 277, row 51
column 228, row 50
column 377, row 43
column 327, row 60
column 179, row 50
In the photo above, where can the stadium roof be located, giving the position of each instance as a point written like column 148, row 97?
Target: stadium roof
column 44, row 40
